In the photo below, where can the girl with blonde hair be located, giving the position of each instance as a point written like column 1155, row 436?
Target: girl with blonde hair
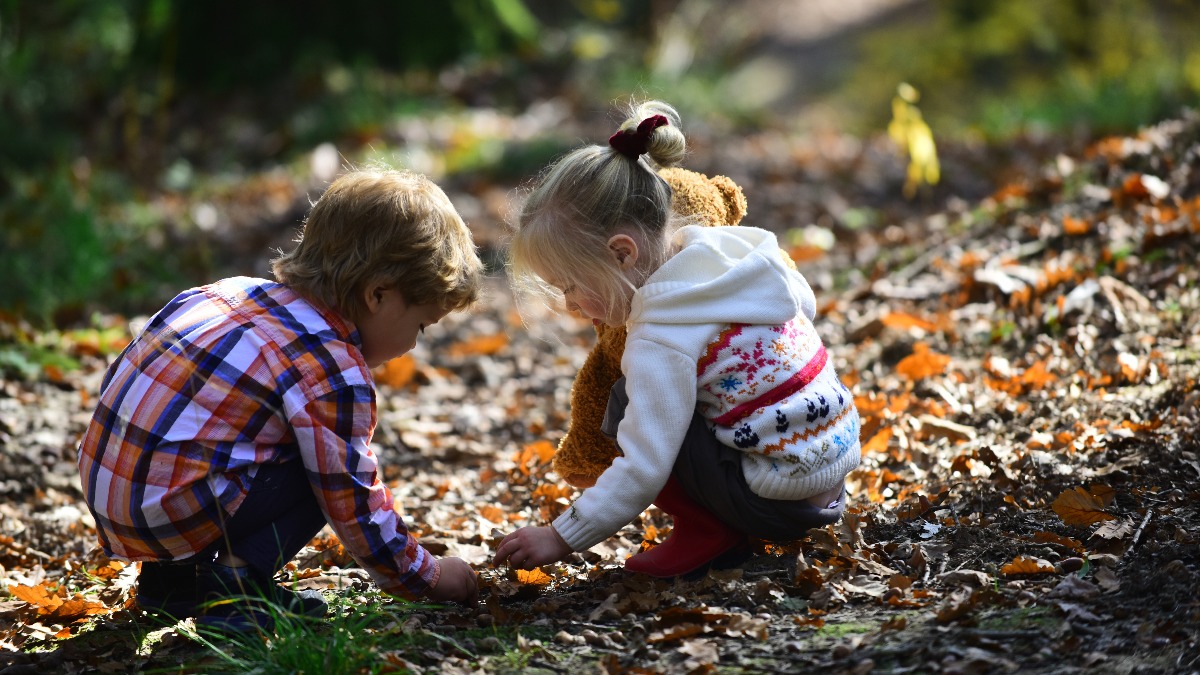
column 729, row 415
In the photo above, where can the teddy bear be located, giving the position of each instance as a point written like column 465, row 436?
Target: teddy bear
column 584, row 452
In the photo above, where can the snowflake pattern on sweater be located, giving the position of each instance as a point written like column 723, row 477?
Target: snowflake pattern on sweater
column 772, row 392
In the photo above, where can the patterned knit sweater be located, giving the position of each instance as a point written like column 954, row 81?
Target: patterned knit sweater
column 724, row 327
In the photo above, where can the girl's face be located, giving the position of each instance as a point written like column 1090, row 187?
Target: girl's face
column 584, row 294
column 586, row 303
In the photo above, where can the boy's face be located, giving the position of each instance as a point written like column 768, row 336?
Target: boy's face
column 391, row 325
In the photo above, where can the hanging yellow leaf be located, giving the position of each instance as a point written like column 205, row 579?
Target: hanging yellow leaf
column 1080, row 507
column 1025, row 565
column 910, row 131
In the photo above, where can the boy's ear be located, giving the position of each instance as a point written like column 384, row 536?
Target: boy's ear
column 624, row 249
column 373, row 297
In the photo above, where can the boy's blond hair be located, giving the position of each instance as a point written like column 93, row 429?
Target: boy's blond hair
column 394, row 228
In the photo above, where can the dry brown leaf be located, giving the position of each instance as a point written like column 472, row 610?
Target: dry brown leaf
column 1052, row 538
column 1104, row 493
column 1079, row 507
column 1115, row 529
column 1025, row 565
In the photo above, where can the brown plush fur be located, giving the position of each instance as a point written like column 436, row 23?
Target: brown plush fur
column 584, row 453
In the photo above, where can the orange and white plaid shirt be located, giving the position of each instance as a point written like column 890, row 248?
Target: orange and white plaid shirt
column 225, row 378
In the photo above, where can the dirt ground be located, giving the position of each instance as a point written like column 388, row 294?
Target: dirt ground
column 1025, row 362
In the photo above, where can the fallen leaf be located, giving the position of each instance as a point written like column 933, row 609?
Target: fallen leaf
column 534, row 576
column 1025, row 565
column 1079, row 507
column 922, row 363
column 1115, row 529
column 493, row 513
column 397, row 372
column 482, row 345
column 1074, row 227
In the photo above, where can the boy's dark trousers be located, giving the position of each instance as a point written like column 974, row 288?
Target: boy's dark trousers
column 277, row 518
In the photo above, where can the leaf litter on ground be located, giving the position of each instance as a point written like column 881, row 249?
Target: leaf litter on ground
column 1026, row 368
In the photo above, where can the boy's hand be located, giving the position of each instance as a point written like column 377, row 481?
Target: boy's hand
column 530, row 547
column 457, row 583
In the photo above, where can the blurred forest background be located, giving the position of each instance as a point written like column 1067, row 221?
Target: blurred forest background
column 150, row 145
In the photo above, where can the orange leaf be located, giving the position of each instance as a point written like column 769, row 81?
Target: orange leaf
column 902, row 321
column 535, row 577
column 397, row 372
column 74, row 609
column 961, row 464
column 1075, row 226
column 878, row 442
column 805, row 253
column 543, row 450
column 492, row 513
column 1025, row 565
column 38, row 596
column 551, row 492
column 1079, row 507
column 481, row 345
column 1011, row 191
column 922, row 363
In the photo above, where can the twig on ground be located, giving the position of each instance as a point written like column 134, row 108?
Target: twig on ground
column 1138, row 535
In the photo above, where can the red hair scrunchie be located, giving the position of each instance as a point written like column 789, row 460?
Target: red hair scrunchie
column 633, row 142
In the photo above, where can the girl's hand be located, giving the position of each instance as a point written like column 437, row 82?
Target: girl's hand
column 530, row 547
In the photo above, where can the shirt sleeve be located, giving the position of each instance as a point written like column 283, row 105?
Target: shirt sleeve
column 333, row 432
column 661, row 383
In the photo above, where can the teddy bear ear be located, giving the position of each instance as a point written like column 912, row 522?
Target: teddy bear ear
column 735, row 200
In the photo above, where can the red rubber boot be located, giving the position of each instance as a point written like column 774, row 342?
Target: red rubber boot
column 696, row 537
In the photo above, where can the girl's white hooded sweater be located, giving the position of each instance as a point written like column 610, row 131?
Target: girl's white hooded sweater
column 724, row 328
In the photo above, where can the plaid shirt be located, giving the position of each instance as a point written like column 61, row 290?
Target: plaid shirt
column 225, row 378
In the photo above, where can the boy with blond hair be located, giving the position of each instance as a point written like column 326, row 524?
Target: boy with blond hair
column 238, row 423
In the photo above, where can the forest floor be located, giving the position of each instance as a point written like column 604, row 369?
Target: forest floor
column 1025, row 357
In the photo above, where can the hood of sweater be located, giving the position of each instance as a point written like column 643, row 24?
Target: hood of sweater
column 724, row 275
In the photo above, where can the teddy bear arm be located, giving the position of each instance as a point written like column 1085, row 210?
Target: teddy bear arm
column 584, row 451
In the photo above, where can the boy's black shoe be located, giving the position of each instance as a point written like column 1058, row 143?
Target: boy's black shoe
column 168, row 589
column 240, row 599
